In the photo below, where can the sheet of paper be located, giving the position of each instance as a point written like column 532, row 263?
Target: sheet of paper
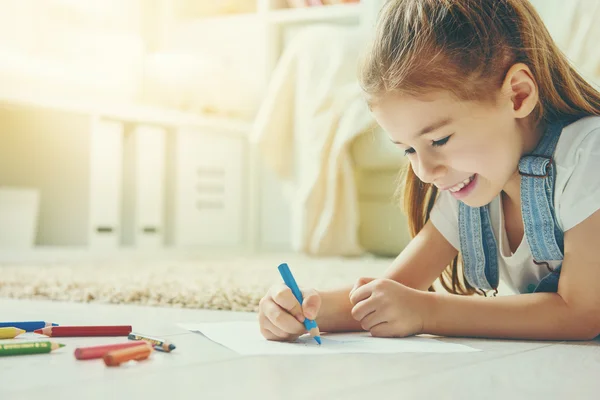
column 245, row 338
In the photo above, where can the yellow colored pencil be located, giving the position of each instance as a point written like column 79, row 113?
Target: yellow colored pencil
column 10, row 333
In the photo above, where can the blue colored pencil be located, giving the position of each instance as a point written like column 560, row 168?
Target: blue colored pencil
column 288, row 278
column 28, row 326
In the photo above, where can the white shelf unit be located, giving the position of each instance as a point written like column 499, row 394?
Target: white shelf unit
column 209, row 189
column 90, row 201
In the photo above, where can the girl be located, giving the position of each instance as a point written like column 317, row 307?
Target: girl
column 503, row 138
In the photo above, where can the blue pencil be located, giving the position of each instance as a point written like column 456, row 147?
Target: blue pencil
column 28, row 326
column 288, row 278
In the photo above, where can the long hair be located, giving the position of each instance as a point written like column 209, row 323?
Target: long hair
column 467, row 47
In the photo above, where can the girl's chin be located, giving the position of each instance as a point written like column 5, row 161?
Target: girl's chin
column 479, row 199
column 474, row 204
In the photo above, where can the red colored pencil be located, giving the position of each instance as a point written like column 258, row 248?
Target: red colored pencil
column 89, row 353
column 64, row 331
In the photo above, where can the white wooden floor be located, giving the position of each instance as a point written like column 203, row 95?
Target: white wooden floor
column 201, row 369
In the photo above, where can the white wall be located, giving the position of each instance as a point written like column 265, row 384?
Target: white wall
column 49, row 152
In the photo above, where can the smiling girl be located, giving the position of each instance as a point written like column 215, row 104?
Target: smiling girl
column 503, row 139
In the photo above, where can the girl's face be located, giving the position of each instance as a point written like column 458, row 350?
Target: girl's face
column 471, row 149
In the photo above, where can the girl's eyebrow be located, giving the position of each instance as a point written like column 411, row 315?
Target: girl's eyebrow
column 431, row 128
column 435, row 126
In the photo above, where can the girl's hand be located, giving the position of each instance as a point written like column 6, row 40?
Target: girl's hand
column 387, row 308
column 281, row 317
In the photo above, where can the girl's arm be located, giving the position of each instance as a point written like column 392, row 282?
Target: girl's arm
column 571, row 314
column 417, row 267
column 423, row 260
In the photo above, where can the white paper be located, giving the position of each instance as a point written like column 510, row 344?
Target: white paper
column 245, row 338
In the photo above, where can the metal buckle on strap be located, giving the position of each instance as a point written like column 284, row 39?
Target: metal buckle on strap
column 545, row 264
column 494, row 292
column 550, row 161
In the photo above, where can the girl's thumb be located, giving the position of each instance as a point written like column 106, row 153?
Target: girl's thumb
column 311, row 304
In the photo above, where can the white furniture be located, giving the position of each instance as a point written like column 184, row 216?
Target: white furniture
column 199, row 368
column 145, row 187
column 105, row 182
column 133, row 176
column 210, row 204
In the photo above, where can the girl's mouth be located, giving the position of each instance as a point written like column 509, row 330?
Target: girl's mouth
column 460, row 186
column 464, row 188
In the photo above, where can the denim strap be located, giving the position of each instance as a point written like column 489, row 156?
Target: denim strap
column 537, row 199
column 478, row 246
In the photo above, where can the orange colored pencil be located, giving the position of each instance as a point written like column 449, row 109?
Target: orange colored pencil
column 89, row 353
column 137, row 353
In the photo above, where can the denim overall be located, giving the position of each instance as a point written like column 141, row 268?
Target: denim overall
column 477, row 242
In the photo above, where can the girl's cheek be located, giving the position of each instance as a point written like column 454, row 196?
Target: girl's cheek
column 466, row 159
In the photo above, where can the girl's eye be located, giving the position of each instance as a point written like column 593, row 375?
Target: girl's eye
column 435, row 143
column 441, row 142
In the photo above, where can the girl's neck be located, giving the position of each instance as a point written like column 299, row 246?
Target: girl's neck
column 532, row 134
column 512, row 190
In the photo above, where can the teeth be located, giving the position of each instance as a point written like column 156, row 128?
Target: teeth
column 457, row 187
column 461, row 185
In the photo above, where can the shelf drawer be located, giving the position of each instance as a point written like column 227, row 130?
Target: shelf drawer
column 208, row 189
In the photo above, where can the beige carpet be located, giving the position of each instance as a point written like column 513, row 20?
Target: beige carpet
column 220, row 283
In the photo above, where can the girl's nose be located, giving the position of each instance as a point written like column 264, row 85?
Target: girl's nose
column 430, row 171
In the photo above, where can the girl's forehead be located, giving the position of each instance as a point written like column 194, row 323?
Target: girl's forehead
column 416, row 106
column 412, row 113
column 408, row 116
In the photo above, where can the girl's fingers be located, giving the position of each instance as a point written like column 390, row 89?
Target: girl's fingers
column 267, row 324
column 362, row 309
column 283, row 323
column 372, row 321
column 267, row 334
column 283, row 296
column 311, row 304
column 361, row 293
column 272, row 332
column 383, row 329
column 360, row 282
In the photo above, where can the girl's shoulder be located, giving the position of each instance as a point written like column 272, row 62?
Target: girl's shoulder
column 577, row 184
column 577, row 139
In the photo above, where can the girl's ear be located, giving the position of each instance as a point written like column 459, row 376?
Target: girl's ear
column 521, row 89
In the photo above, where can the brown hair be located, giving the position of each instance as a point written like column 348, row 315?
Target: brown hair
column 467, row 47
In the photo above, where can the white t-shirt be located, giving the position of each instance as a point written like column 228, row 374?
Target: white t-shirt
column 576, row 197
